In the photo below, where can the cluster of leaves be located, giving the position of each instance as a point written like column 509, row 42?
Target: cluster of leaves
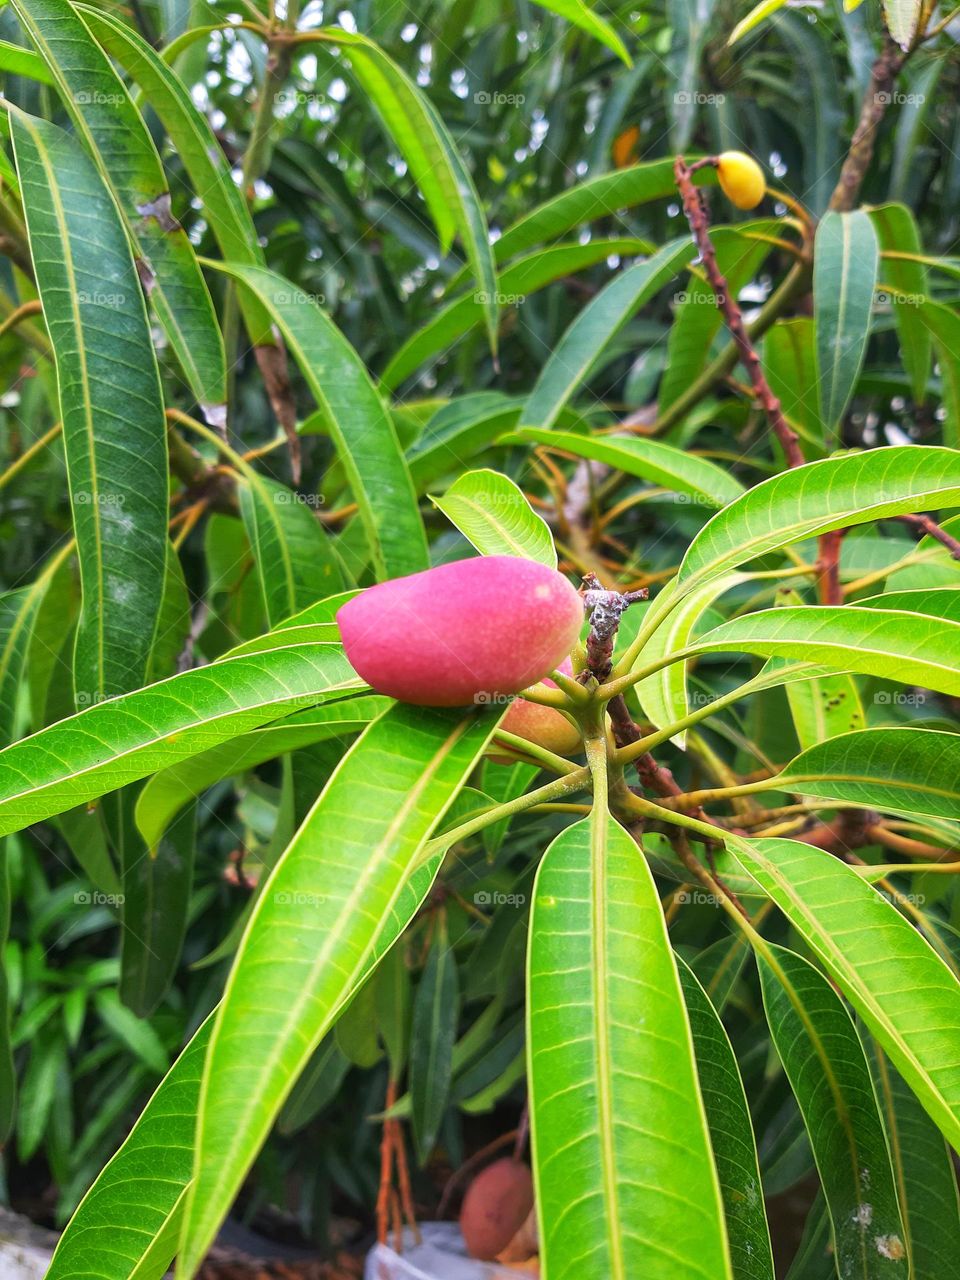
column 271, row 286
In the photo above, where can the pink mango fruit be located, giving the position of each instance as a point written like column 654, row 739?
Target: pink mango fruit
column 473, row 631
column 544, row 726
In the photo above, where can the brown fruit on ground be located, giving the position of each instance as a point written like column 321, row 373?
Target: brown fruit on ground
column 497, row 1203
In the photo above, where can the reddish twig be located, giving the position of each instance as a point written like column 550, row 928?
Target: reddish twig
column 831, row 592
column 930, row 527
column 695, row 208
column 606, row 608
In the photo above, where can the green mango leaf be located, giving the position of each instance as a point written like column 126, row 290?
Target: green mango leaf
column 17, row 61
column 943, row 323
column 905, row 281
column 923, row 1168
column 790, row 363
column 457, row 432
column 294, row 555
column 600, row 197
column 132, row 1212
column 493, row 513
column 620, row 1139
column 430, row 152
column 915, row 771
column 111, row 404
column 312, row 933
column 169, row 790
column 896, row 646
column 357, row 418
column 833, row 493
column 571, row 360
column 118, row 741
column 105, row 117
column 155, row 910
column 691, row 477
column 197, row 147
column 436, row 1010
column 514, row 285
column 935, row 602
column 824, row 705
column 828, row 1072
column 757, row 14
column 911, row 1005
column 582, row 16
column 731, row 1134
column 846, row 255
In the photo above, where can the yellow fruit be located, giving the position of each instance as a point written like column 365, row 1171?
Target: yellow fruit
column 741, row 178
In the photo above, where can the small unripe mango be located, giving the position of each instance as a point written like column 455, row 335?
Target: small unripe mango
column 466, row 632
column 543, row 726
column 741, row 178
column 496, row 1205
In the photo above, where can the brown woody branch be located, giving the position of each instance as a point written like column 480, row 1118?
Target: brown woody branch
column 695, row 208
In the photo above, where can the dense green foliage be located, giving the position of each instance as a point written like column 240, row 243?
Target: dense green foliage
column 296, row 302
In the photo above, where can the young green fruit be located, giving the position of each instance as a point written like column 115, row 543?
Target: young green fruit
column 467, row 632
column 495, row 1207
column 543, row 726
column 741, row 178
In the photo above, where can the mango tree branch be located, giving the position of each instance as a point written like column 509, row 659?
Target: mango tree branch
column 695, row 208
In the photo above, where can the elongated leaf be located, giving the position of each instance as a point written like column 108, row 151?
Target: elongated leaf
column 17, row 61
column 697, row 317
column 825, row 705
column 790, row 363
column 731, row 1134
column 514, row 285
column 830, row 494
column 936, row 602
column 898, row 646
column 661, row 464
column 116, row 742
column 309, row 940
column 458, row 431
column 436, row 1010
column 664, row 696
column 132, row 1212
column 897, row 230
column 110, row 403
column 582, row 16
column 757, row 14
column 911, row 1005
column 294, row 554
column 490, row 510
column 431, row 153
column 104, row 115
column 198, row 148
column 844, row 275
column 899, row 770
column 923, row 1168
column 944, row 324
column 597, row 198
column 825, row 1063
column 168, row 790
column 601, row 320
column 357, row 418
column 620, row 1140
column 156, row 903
column 901, row 17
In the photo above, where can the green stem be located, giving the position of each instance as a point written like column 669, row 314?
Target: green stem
column 533, row 751
column 555, row 790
